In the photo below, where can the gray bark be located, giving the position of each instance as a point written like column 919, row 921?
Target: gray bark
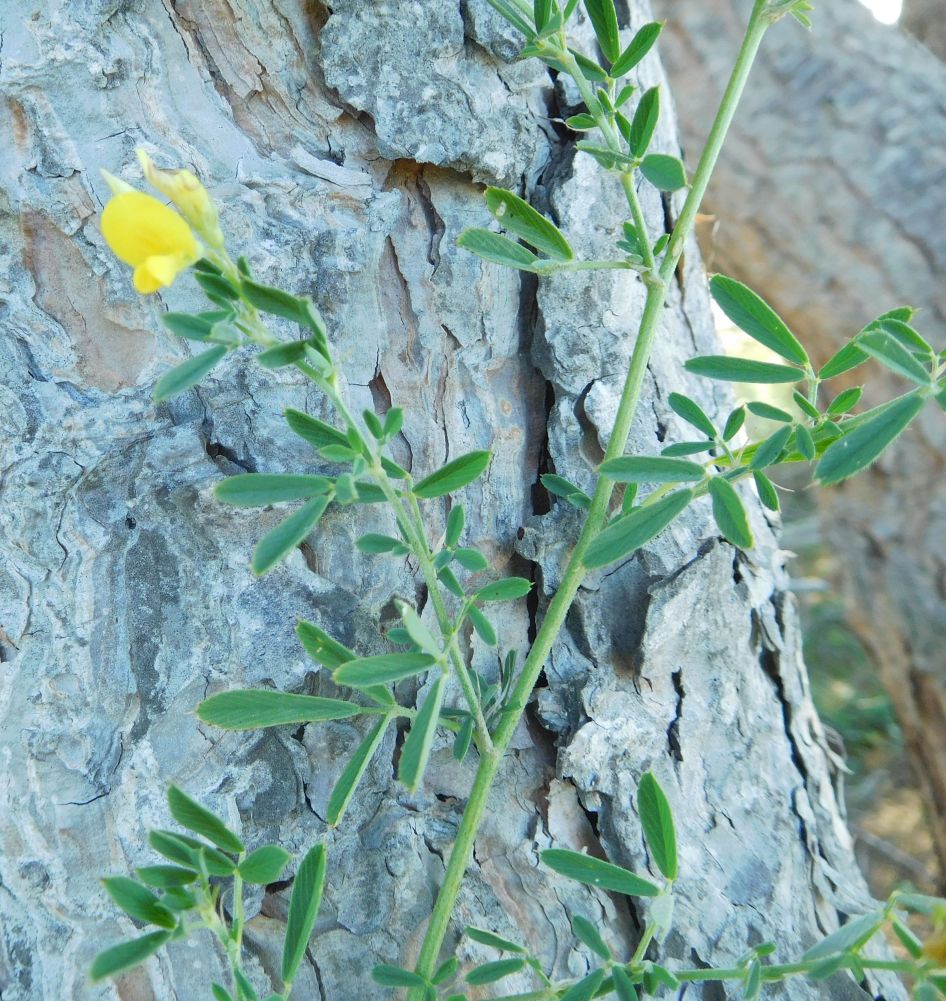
column 830, row 205
column 346, row 148
column 924, row 19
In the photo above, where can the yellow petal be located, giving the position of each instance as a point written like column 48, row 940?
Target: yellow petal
column 157, row 272
column 137, row 226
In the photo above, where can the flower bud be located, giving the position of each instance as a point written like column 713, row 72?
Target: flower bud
column 189, row 195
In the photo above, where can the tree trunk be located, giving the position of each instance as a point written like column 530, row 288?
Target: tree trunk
column 924, row 19
column 830, row 204
column 346, row 145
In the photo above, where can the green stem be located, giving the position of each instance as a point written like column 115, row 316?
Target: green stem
column 412, row 526
column 597, row 514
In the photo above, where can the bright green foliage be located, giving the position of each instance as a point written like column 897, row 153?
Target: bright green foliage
column 188, row 374
column 250, row 709
column 303, row 910
column 481, row 705
column 657, row 822
column 595, row 872
column 629, row 532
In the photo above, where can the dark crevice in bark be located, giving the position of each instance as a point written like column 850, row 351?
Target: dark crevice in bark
column 673, row 731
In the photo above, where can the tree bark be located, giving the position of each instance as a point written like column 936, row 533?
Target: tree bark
column 924, row 20
column 346, row 145
column 830, row 205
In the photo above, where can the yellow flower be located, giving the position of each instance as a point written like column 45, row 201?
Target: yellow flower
column 189, row 195
column 149, row 236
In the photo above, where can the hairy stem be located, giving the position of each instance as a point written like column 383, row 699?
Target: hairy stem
column 657, row 287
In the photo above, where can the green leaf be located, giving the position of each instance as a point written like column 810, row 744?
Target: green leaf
column 418, row 632
column 416, row 749
column 519, row 217
column 299, row 309
column 848, row 357
column 281, row 355
column 687, row 448
column 804, row 442
column 455, row 522
column 586, row 988
column 771, row 449
column 507, row 589
column 489, row 973
column 217, row 288
column 280, row 541
column 512, row 16
column 767, row 492
column 471, row 559
column 729, row 513
column 908, row 940
column 453, row 475
column 859, row 447
column 123, row 957
column 190, row 814
column 657, row 823
column 640, row 45
column 734, row 423
column 315, row 432
column 754, row 316
column 165, row 876
column 321, row 647
column 623, row 985
column 220, row 993
column 541, row 12
column 382, row 669
column 388, row 975
column 561, row 487
column 245, row 990
column 482, row 625
column 193, row 326
column 489, row 938
column 252, row 709
column 753, row 985
column 265, row 865
column 630, row 532
column 587, row 934
column 890, row 352
column 581, row 123
column 644, row 122
column 850, row 936
column 303, row 909
column 595, row 872
column 138, row 901
column 692, row 413
column 906, row 336
column 188, row 374
column 652, row 469
column 730, row 369
column 604, row 20
column 182, row 849
column 664, row 172
column 845, row 401
column 768, row 412
column 461, row 743
column 805, row 406
column 378, row 545
column 261, row 489
column 445, row 971
column 498, row 249
column 348, row 781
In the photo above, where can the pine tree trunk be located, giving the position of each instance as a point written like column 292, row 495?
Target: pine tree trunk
column 347, row 145
column 830, row 205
